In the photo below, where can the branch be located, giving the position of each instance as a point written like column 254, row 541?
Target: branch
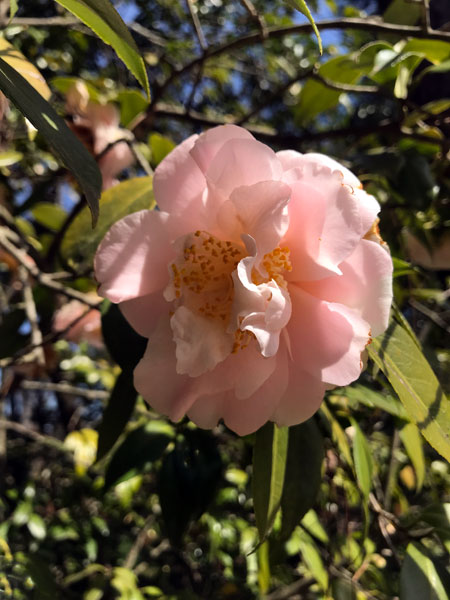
column 46, row 440
column 197, row 26
column 64, row 388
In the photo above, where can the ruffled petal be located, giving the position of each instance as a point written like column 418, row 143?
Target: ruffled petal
column 132, row 260
column 243, row 162
column 365, row 285
column 144, row 312
column 156, row 378
column 259, row 210
column 326, row 338
column 246, row 413
column 325, row 224
column 302, row 398
column 178, row 183
column 201, row 343
column 210, row 142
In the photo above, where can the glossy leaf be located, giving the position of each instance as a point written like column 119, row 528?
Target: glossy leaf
column 117, row 413
column 115, row 203
column 65, row 144
column 19, row 63
column 436, row 51
column 412, row 378
column 303, row 474
column 302, row 7
column 422, row 576
column 269, row 465
column 374, row 399
column 105, row 21
column 143, row 445
column 412, row 441
column 363, row 460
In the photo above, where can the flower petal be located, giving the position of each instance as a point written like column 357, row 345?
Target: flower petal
column 258, row 210
column 144, row 312
column 156, row 378
column 210, row 142
column 201, row 342
column 365, row 285
column 243, row 162
column 132, row 259
column 325, row 223
column 326, row 338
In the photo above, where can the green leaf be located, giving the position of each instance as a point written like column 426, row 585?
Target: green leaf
column 19, row 63
column 303, row 474
column 42, row 577
column 316, row 97
column 269, row 465
column 363, row 460
column 402, row 12
column 79, row 244
column 436, row 51
column 313, row 560
column 65, row 144
column 422, row 576
column 412, row 441
column 412, row 378
column 117, row 413
column 160, row 147
column 49, row 215
column 132, row 104
column 105, row 21
column 188, row 480
column 438, row 516
column 36, row 526
column 124, row 344
column 10, row 157
column 13, row 8
column 373, row 399
column 302, row 7
column 337, row 433
column 143, row 445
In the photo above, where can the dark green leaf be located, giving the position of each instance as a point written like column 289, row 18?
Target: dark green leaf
column 269, row 465
column 105, row 21
column 422, row 576
column 117, row 413
column 188, row 480
column 141, row 446
column 66, row 145
column 124, row 344
column 303, row 474
column 412, row 378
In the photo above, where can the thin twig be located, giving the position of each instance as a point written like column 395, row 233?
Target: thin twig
column 32, row 316
column 249, row 7
column 345, row 87
column 64, row 388
column 197, row 26
column 431, row 314
column 138, row 544
column 34, row 435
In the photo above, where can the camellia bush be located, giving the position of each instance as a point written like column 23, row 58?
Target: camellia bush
column 224, row 293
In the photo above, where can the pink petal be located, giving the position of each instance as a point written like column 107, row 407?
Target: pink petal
column 201, row 342
column 210, row 142
column 302, row 398
column 132, row 260
column 325, row 224
column 259, row 210
column 368, row 208
column 326, row 338
column 156, row 378
column 246, row 414
column 178, row 183
column 243, row 162
column 365, row 285
column 144, row 312
column 290, row 159
column 322, row 160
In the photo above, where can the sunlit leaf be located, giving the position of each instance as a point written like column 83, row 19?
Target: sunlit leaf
column 412, row 440
column 269, row 465
column 422, row 576
column 363, row 460
column 19, row 63
column 412, row 378
column 301, row 6
column 105, row 21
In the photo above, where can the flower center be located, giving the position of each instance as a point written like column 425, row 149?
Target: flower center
column 275, row 263
column 202, row 274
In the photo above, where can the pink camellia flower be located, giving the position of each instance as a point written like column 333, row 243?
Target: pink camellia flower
column 259, row 282
column 97, row 126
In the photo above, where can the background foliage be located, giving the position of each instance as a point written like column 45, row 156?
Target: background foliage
column 102, row 498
